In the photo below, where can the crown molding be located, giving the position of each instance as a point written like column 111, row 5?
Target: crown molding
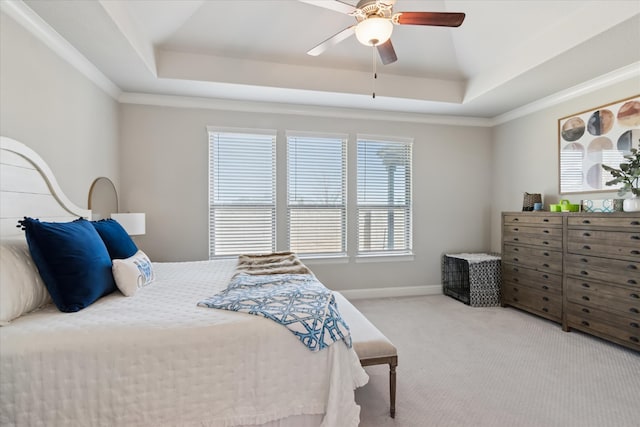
column 295, row 109
column 33, row 23
column 625, row 73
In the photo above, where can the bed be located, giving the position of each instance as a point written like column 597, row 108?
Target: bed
column 155, row 358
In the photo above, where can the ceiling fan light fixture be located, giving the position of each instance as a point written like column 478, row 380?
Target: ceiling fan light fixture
column 374, row 31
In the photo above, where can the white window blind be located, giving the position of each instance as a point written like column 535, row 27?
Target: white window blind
column 384, row 197
column 242, row 193
column 316, row 202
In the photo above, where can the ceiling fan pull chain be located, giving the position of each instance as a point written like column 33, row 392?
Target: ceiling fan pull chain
column 375, row 74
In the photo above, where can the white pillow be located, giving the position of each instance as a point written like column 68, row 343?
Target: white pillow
column 133, row 273
column 21, row 287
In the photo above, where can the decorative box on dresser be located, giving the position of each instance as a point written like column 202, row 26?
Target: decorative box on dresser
column 602, row 276
column 532, row 263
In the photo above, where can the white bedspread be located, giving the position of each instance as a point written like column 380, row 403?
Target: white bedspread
column 156, row 359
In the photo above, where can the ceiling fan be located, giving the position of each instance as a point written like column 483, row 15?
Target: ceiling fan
column 375, row 24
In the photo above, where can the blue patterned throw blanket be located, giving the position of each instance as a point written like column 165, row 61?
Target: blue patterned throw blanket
column 297, row 301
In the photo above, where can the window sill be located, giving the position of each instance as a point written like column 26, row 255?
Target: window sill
column 385, row 258
column 324, row 259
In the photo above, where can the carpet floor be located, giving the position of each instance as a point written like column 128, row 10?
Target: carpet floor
column 493, row 367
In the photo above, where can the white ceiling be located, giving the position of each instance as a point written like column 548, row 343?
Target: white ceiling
column 505, row 55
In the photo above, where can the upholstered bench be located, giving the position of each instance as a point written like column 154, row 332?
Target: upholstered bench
column 371, row 346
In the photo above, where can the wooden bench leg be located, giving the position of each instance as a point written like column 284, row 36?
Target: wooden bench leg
column 393, row 362
column 392, row 385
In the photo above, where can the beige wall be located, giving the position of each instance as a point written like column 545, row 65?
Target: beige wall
column 48, row 105
column 164, row 161
column 525, row 154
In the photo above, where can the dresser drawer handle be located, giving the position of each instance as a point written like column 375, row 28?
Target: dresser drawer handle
column 585, row 323
column 515, row 289
column 545, row 309
column 516, row 229
column 635, row 252
column 586, row 310
column 634, row 310
column 587, row 247
column 544, row 242
column 545, row 265
column 515, row 269
column 515, row 239
column 635, row 237
column 584, row 260
column 545, row 276
column 516, row 219
column 632, row 282
column 545, row 287
column 636, row 296
column 632, row 267
column 545, row 231
column 516, row 259
column 584, row 273
column 585, row 285
column 634, row 325
column 515, row 279
column 586, row 298
column 545, row 299
column 516, row 249
column 634, row 223
column 545, row 253
column 545, row 220
column 515, row 299
column 586, row 221
column 585, row 234
column 634, row 339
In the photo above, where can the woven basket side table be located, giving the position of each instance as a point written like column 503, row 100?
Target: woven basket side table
column 473, row 278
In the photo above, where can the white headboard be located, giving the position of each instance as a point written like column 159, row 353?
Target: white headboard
column 28, row 188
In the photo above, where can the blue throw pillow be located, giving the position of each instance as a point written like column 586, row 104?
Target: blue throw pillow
column 73, row 261
column 115, row 238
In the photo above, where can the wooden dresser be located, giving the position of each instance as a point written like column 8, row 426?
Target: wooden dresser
column 532, row 263
column 581, row 269
column 602, row 276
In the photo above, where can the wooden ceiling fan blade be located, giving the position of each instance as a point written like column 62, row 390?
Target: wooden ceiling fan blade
column 439, row 19
column 332, row 41
column 336, row 5
column 387, row 52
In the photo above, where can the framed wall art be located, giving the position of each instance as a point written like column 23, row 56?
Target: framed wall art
column 591, row 138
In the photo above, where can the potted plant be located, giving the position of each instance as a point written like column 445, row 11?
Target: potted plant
column 628, row 174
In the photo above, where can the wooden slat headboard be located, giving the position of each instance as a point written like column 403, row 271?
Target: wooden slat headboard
column 28, row 188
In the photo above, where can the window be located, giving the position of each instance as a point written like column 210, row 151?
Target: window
column 245, row 216
column 384, row 196
column 242, row 192
column 316, row 194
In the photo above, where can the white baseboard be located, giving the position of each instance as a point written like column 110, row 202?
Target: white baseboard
column 404, row 291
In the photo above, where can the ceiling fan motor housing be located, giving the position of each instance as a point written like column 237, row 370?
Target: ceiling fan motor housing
column 370, row 8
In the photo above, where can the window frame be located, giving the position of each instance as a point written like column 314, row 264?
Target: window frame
column 395, row 254
column 342, row 205
column 272, row 206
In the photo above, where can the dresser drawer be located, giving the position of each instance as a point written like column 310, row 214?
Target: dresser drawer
column 538, row 280
column 587, row 221
column 608, row 270
column 536, row 218
column 548, row 305
column 536, row 258
column 621, row 329
column 622, row 300
column 539, row 236
column 611, row 244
